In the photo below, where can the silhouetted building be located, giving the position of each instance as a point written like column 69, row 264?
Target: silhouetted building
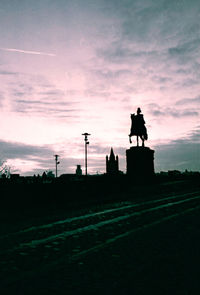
column 78, row 170
column 112, row 163
column 16, row 178
column 174, row 172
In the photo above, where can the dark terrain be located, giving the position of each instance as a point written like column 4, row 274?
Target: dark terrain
column 89, row 238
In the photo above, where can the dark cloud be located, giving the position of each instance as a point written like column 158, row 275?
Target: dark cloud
column 54, row 92
column 111, row 74
column 45, row 103
column 16, row 150
column 103, row 81
column 141, row 24
column 179, row 154
column 187, row 114
column 190, row 101
column 2, row 97
column 189, row 82
column 158, row 111
column 43, row 100
column 19, row 94
column 183, row 71
column 161, row 79
column 186, row 48
column 152, row 33
column 42, row 156
column 8, row 73
column 117, row 53
column 97, row 93
column 156, row 20
column 45, row 110
column 195, row 135
column 98, row 149
column 174, row 113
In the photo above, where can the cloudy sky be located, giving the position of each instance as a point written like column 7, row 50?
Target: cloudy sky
column 69, row 67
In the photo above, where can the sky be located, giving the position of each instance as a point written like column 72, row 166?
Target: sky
column 69, row 67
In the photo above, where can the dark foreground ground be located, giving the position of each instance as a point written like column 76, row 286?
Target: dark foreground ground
column 164, row 259
column 23, row 205
column 161, row 259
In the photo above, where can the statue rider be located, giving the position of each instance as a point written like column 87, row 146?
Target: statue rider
column 138, row 127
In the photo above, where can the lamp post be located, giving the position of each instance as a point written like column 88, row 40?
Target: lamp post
column 57, row 162
column 86, row 143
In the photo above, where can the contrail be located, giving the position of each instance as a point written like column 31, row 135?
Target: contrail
column 27, row 51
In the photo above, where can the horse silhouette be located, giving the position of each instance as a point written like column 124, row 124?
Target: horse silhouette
column 138, row 128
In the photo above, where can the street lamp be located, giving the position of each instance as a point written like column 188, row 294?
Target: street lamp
column 57, row 162
column 86, row 143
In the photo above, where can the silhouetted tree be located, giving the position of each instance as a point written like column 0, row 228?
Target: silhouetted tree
column 44, row 176
column 50, row 174
column 4, row 170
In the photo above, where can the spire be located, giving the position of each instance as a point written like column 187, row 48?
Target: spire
column 112, row 155
column 112, row 163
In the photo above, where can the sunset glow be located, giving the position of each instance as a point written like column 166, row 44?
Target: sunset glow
column 68, row 67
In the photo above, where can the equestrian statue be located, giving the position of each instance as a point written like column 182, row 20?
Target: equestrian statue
column 138, row 127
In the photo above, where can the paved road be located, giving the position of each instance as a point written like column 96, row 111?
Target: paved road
column 109, row 251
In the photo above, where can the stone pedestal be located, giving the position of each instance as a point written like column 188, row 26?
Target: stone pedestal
column 140, row 162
